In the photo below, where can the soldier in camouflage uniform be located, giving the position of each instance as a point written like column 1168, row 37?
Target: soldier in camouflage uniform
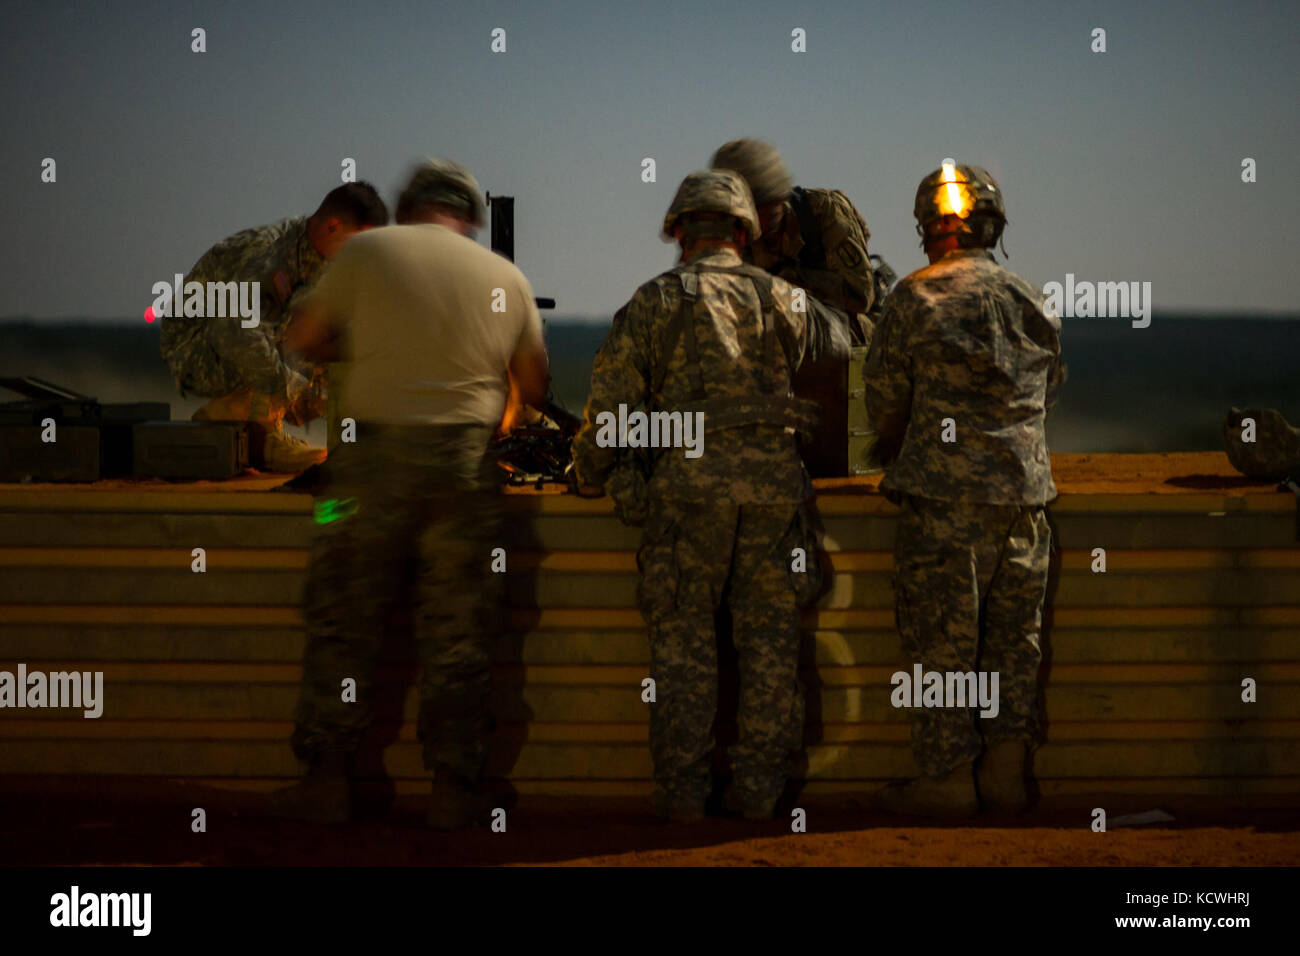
column 962, row 369
column 716, row 336
column 242, row 369
column 416, row 494
column 813, row 238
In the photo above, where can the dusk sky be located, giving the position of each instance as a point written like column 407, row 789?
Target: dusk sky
column 1123, row 165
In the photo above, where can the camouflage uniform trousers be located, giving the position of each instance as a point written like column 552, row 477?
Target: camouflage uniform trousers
column 692, row 558
column 969, row 586
column 207, row 360
column 215, row 362
column 425, row 495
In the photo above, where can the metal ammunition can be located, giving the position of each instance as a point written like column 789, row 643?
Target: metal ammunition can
column 861, row 437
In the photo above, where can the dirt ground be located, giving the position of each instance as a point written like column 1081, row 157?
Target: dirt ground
column 1168, row 473
column 1192, row 472
column 137, row 822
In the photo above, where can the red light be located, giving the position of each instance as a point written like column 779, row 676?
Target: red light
column 148, row 314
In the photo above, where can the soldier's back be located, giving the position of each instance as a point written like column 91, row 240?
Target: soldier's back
column 984, row 357
column 250, row 255
column 746, row 464
column 246, row 255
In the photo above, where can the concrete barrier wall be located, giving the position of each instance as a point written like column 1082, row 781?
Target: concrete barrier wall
column 1142, row 683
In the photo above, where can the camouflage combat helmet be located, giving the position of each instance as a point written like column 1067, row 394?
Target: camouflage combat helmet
column 714, row 190
column 761, row 166
column 1272, row 454
column 967, row 192
column 443, row 181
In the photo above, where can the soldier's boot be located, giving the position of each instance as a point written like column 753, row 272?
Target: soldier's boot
column 1001, row 777
column 456, row 802
column 324, row 795
column 288, row 454
column 747, row 803
column 952, row 795
column 676, row 807
column 269, row 448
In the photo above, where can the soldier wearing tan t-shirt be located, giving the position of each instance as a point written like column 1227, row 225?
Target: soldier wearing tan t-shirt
column 435, row 328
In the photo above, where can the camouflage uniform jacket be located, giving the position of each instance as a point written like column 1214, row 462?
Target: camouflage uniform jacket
column 282, row 259
column 842, row 279
column 968, row 340
column 746, row 464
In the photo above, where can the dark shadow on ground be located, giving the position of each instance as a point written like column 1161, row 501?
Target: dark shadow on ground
column 135, row 820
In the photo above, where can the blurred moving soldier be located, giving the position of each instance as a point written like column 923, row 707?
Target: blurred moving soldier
column 243, row 369
column 962, row 369
column 436, row 328
column 813, row 238
column 718, row 337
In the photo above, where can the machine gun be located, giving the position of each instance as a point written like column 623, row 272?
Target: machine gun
column 503, row 234
column 537, row 445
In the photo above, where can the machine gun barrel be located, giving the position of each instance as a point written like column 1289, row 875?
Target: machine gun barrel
column 503, row 234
